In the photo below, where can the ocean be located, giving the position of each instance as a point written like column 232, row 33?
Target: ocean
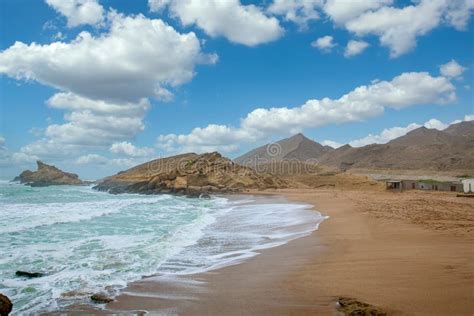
column 86, row 241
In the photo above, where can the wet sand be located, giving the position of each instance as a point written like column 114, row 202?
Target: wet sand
column 400, row 266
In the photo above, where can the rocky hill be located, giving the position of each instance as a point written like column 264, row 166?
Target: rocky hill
column 189, row 174
column 421, row 149
column 295, row 148
column 463, row 129
column 47, row 175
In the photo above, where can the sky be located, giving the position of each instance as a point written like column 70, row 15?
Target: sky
column 98, row 86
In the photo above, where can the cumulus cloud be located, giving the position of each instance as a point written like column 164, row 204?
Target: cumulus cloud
column 158, row 5
column 94, row 159
column 407, row 89
column 91, row 159
column 398, row 28
column 95, row 122
column 210, row 138
column 242, row 24
column 341, row 11
column 324, row 44
column 355, row 48
column 452, row 69
column 79, row 12
column 331, row 143
column 136, row 58
column 129, row 149
column 105, row 80
column 7, row 158
column 73, row 102
column 297, row 11
column 88, row 129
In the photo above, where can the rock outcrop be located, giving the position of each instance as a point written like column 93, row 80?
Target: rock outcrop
column 29, row 275
column 6, row 305
column 101, row 298
column 189, row 174
column 47, row 175
column 352, row 307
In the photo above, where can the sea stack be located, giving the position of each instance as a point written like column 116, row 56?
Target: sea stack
column 47, row 175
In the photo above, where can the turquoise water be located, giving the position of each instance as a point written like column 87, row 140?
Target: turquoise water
column 87, row 241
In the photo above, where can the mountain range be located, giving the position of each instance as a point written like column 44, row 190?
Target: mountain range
column 421, row 149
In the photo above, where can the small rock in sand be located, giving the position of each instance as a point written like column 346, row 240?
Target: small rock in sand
column 101, row 299
column 352, row 307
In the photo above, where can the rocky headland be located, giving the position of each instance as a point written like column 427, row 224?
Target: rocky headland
column 47, row 175
column 189, row 174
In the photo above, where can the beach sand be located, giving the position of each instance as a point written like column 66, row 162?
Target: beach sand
column 374, row 247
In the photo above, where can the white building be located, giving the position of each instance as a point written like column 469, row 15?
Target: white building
column 468, row 185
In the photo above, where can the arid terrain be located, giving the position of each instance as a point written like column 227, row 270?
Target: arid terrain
column 393, row 253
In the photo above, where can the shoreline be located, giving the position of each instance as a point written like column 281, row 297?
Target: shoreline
column 402, row 268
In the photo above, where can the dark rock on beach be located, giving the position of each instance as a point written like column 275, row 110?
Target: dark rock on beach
column 101, row 298
column 352, row 307
column 191, row 175
column 29, row 274
column 6, row 305
column 47, row 175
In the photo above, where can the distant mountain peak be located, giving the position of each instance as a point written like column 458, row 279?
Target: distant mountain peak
column 297, row 147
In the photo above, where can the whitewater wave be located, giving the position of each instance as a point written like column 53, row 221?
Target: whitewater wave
column 91, row 242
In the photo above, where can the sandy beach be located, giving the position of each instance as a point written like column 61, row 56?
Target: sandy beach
column 385, row 258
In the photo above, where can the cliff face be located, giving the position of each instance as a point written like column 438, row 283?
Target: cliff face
column 47, row 175
column 189, row 174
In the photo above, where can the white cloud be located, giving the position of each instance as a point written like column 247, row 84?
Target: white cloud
column 89, row 129
column 341, row 11
column 73, row 102
column 385, row 136
column 94, row 159
column 469, row 118
column 407, row 89
column 7, row 158
column 331, row 143
column 297, row 11
column 106, row 80
column 458, row 13
column 452, row 69
column 210, row 138
column 355, row 48
column 79, row 12
column 91, row 159
column 243, row 24
column 158, row 5
column 398, row 28
column 324, row 44
column 136, row 58
column 59, row 36
column 129, row 149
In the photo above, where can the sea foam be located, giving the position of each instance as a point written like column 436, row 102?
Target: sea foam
column 87, row 241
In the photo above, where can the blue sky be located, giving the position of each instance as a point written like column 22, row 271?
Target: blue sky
column 147, row 74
